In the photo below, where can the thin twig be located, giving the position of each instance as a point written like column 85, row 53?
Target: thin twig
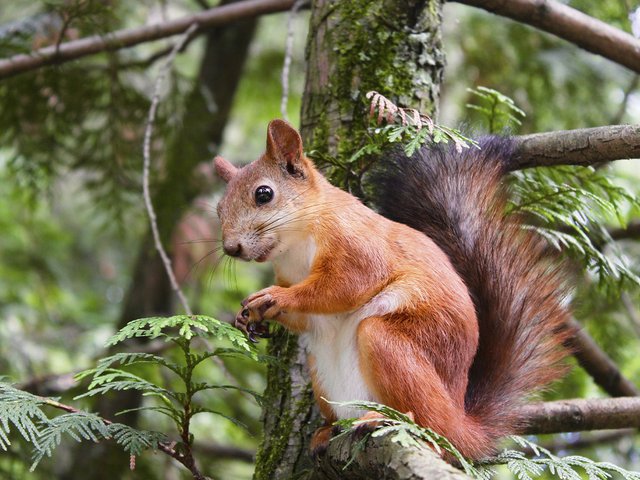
column 146, row 190
column 288, row 53
column 633, row 85
column 147, row 162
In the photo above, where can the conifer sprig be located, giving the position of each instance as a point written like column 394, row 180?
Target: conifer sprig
column 25, row 413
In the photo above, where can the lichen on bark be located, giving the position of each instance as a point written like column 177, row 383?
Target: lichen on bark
column 393, row 47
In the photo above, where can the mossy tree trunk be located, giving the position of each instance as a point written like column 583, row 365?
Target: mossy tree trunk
column 393, row 47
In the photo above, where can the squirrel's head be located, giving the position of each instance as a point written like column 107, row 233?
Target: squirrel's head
column 264, row 209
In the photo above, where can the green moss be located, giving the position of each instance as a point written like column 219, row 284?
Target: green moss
column 277, row 394
column 382, row 46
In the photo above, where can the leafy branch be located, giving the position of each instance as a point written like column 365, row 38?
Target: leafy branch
column 24, row 411
column 570, row 207
column 565, row 468
column 410, row 127
column 404, row 431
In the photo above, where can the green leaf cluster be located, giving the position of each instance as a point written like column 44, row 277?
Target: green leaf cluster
column 571, row 467
column 500, row 111
column 405, row 432
column 23, row 411
column 573, row 208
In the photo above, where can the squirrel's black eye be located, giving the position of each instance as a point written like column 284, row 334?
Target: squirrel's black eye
column 264, row 194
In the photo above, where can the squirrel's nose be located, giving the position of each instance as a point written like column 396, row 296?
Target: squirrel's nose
column 233, row 249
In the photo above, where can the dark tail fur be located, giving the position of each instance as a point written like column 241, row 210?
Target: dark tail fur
column 457, row 199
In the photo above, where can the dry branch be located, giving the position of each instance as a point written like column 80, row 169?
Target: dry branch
column 222, row 15
column 569, row 24
column 587, row 146
column 582, row 414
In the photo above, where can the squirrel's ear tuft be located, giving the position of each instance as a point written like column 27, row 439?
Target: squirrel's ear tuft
column 224, row 169
column 284, row 145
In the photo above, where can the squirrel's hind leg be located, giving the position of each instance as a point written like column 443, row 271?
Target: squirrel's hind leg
column 400, row 375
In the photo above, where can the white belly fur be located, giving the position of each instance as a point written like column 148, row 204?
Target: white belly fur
column 332, row 341
column 332, row 338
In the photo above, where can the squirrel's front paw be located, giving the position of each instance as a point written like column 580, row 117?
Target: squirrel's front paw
column 264, row 304
column 251, row 328
column 256, row 308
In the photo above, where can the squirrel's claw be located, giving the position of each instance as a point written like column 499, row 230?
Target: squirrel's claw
column 252, row 327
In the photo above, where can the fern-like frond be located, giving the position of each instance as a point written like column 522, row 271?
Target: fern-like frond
column 112, row 379
column 572, row 467
column 79, row 426
column 21, row 410
column 134, row 441
column 187, row 326
column 499, row 110
column 409, row 127
column 406, row 432
column 571, row 208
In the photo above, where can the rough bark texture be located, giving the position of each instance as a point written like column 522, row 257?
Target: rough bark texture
column 393, row 47
column 289, row 413
column 570, row 24
column 354, row 46
column 382, row 458
column 150, row 293
column 587, row 146
column 582, row 414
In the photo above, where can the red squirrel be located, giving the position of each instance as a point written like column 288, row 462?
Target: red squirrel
column 440, row 306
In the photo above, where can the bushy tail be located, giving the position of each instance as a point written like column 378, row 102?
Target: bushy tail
column 457, row 199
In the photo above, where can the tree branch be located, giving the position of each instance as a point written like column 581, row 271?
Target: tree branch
column 225, row 452
column 597, row 363
column 381, row 457
column 218, row 16
column 569, row 24
column 582, row 414
column 586, row 440
column 630, row 232
column 587, row 146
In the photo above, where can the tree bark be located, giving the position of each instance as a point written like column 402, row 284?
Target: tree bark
column 586, row 146
column 390, row 46
column 582, row 414
column 150, row 292
column 569, row 24
column 381, row 457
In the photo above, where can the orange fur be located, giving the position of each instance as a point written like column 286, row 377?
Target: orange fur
column 386, row 300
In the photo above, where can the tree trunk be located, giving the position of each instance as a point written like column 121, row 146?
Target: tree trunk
column 393, row 47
